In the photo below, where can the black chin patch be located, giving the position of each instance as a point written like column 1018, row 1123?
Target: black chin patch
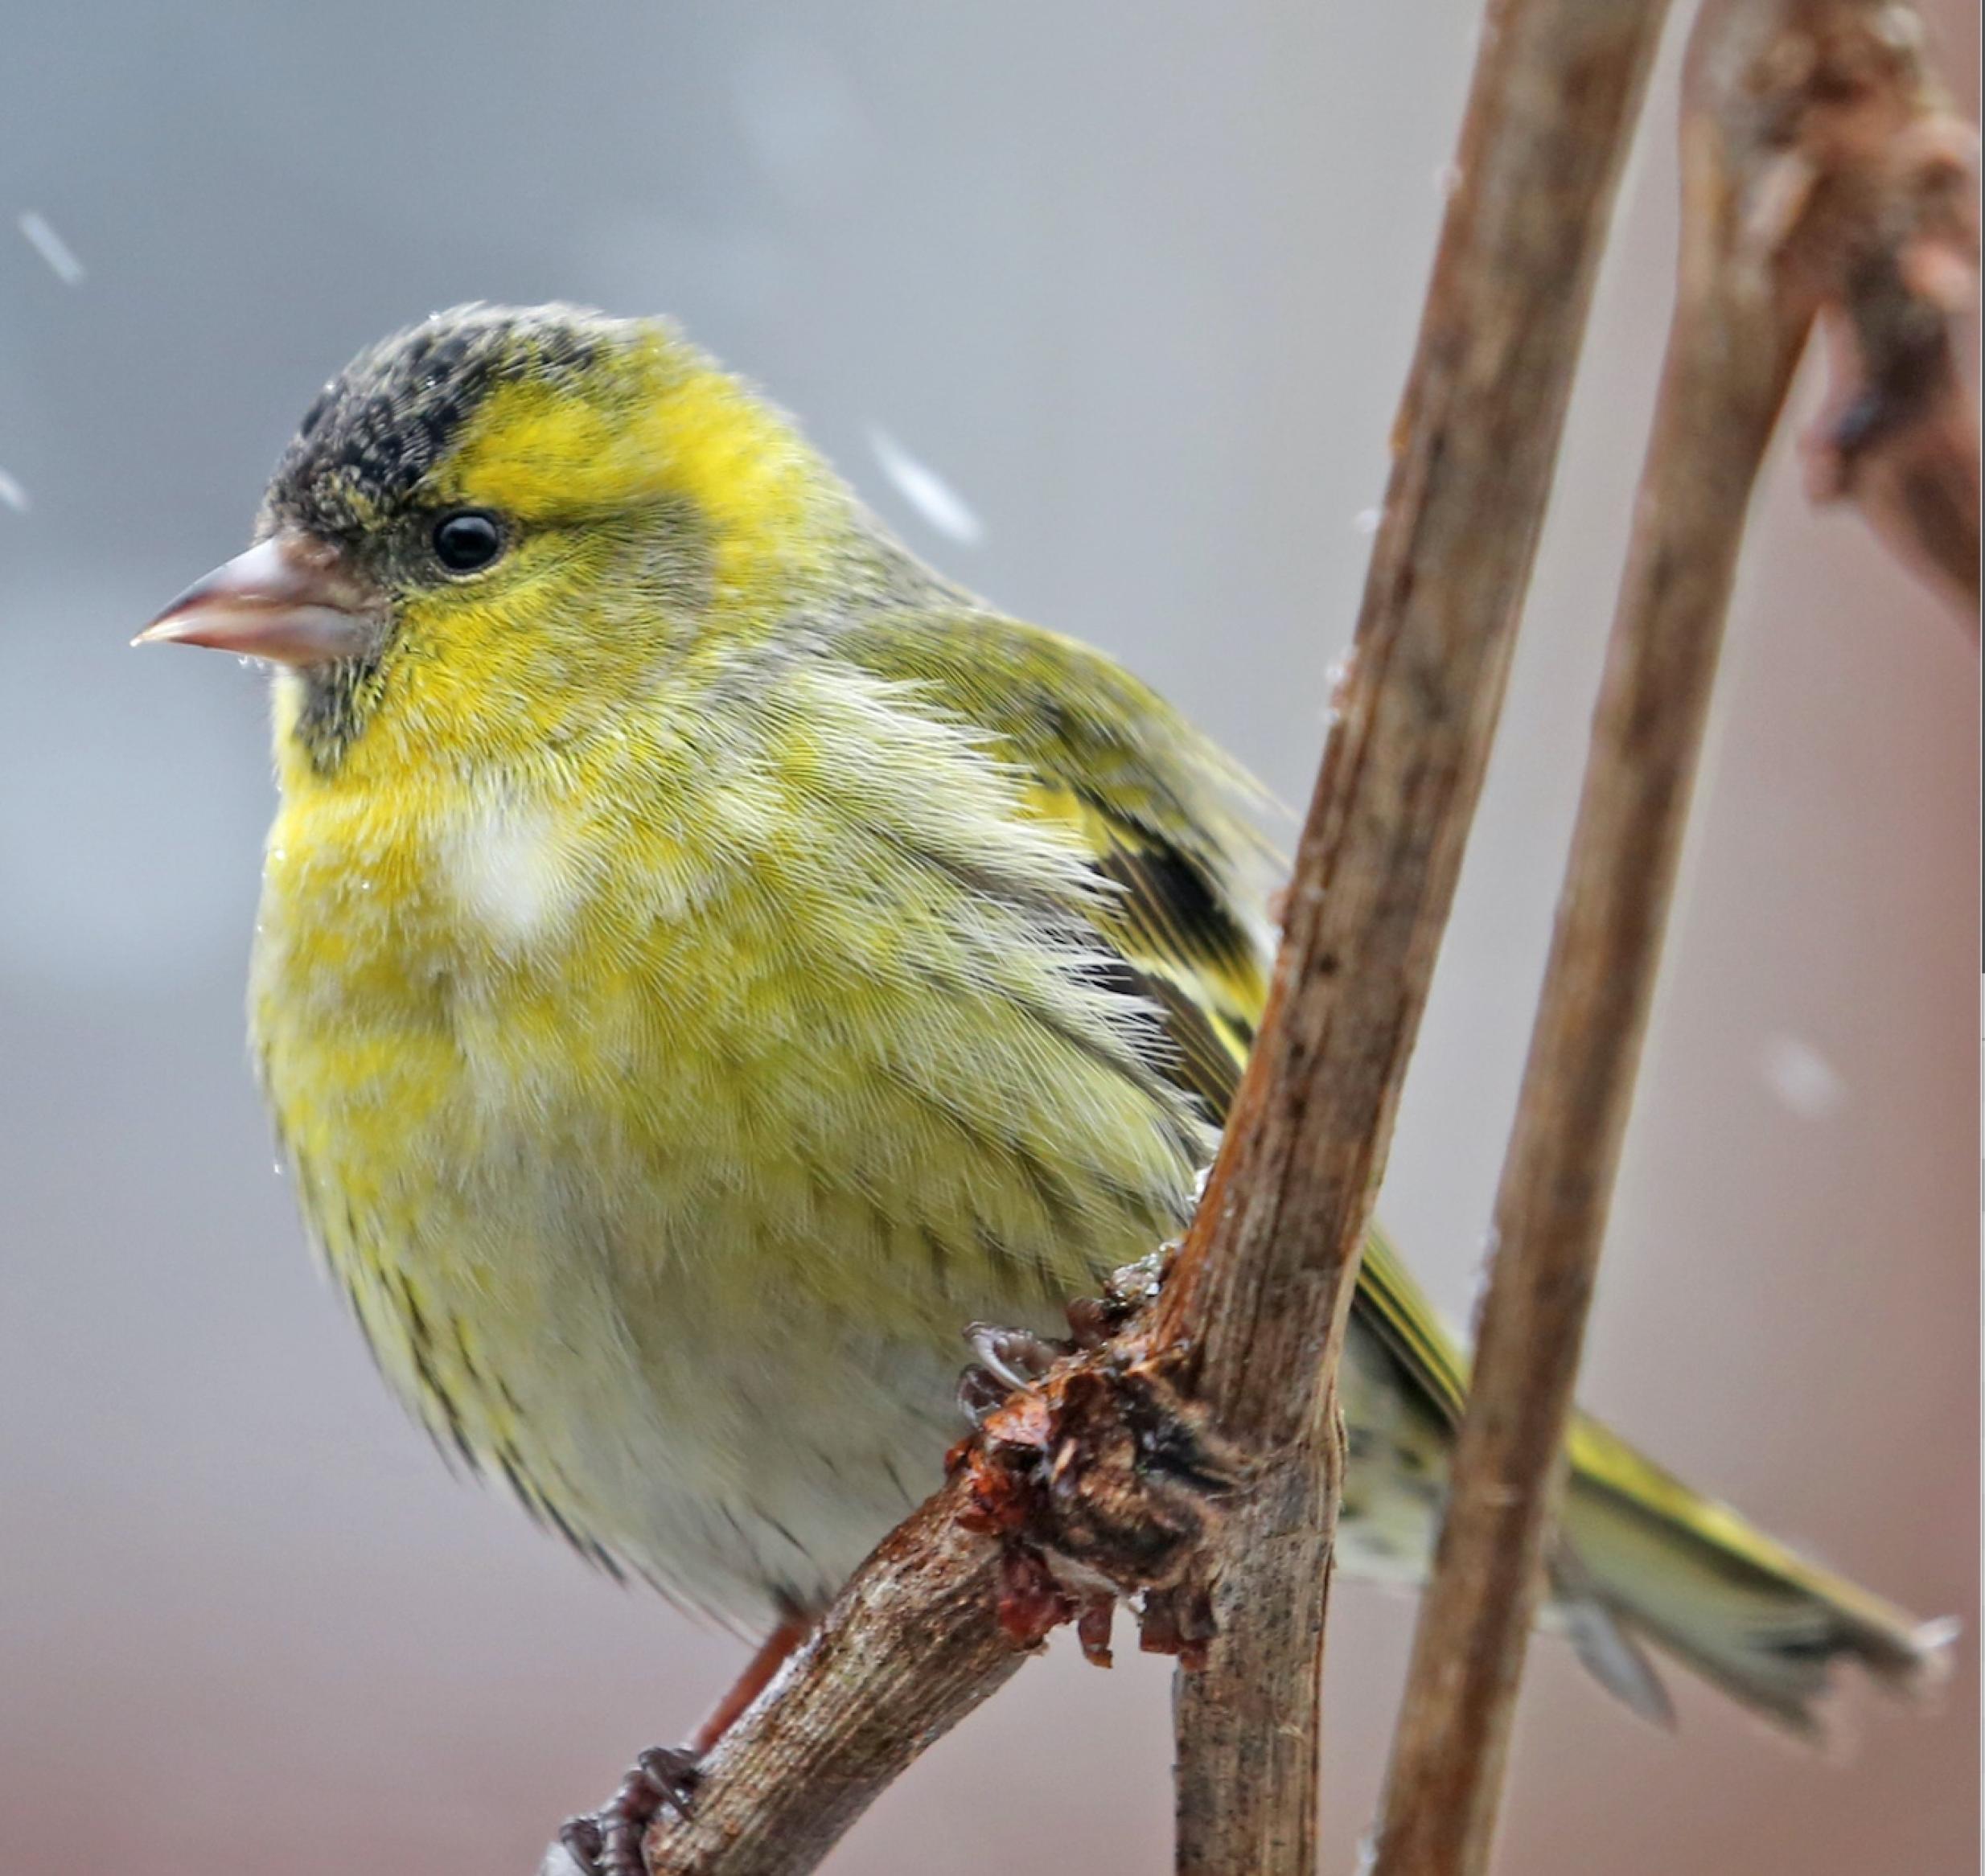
column 338, row 701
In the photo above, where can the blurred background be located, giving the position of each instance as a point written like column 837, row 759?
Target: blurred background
column 1106, row 307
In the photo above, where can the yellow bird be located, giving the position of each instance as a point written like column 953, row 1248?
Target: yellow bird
column 706, row 957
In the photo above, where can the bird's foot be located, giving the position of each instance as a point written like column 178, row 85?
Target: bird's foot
column 607, row 1842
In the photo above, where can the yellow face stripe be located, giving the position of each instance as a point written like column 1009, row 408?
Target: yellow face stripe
column 658, row 425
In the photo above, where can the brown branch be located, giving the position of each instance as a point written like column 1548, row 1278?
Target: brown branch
column 913, row 1644
column 1771, row 84
column 1896, row 267
column 1258, row 1299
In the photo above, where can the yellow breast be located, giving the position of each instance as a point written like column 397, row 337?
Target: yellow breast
column 647, row 1101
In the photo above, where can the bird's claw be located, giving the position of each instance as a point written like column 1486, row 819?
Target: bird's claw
column 607, row 1842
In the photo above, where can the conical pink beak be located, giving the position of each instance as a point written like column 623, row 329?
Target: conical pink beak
column 290, row 599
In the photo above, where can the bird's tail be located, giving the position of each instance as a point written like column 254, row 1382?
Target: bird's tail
column 1643, row 1556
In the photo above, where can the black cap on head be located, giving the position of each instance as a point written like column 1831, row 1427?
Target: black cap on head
column 379, row 428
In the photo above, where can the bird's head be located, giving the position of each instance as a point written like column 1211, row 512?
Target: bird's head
column 495, row 529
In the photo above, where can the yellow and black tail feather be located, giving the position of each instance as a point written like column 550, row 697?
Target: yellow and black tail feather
column 1764, row 1625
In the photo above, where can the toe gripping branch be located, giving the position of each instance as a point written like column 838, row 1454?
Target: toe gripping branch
column 607, row 1842
column 1098, row 1476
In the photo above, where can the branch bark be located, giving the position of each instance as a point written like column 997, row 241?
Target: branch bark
column 1257, row 1300
column 1774, row 91
column 913, row 1643
column 1892, row 253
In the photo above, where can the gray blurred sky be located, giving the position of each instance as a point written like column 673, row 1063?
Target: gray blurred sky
column 1140, row 282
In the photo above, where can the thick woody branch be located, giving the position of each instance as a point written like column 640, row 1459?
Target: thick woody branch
column 1257, row 1300
column 1771, row 87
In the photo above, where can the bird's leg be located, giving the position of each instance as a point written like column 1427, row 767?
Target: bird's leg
column 607, row 1842
column 792, row 1630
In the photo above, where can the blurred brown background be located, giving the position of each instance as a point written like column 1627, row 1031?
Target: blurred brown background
column 1140, row 282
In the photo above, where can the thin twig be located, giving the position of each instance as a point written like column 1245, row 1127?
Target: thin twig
column 1764, row 79
column 1260, row 1294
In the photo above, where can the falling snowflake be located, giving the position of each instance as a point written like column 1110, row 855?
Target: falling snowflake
column 926, row 490
column 60, row 256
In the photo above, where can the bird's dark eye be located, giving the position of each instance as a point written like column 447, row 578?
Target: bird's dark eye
column 467, row 540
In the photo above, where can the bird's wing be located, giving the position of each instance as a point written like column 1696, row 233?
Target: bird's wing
column 1164, row 814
